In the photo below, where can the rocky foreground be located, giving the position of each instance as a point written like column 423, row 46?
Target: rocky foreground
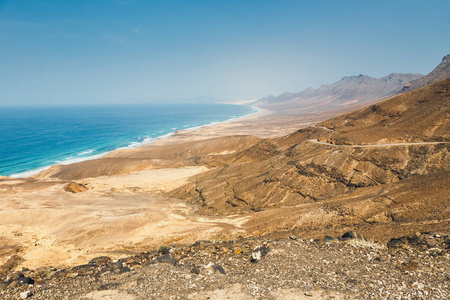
column 348, row 267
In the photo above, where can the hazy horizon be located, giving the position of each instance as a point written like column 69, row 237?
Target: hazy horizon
column 120, row 52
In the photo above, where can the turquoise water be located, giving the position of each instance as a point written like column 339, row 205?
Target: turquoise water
column 32, row 139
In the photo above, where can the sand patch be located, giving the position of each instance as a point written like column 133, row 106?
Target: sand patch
column 145, row 181
column 108, row 295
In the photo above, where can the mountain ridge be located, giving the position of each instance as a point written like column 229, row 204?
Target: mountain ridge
column 347, row 92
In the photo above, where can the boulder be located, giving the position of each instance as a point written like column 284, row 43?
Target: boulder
column 74, row 187
column 25, row 295
column 259, row 253
column 213, row 268
column 349, row 235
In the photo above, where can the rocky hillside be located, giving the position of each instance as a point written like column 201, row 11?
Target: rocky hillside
column 304, row 181
column 442, row 71
column 349, row 91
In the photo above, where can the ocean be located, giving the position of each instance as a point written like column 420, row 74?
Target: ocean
column 34, row 138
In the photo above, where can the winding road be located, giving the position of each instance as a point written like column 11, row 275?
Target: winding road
column 376, row 145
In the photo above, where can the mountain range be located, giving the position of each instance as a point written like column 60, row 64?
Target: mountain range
column 352, row 92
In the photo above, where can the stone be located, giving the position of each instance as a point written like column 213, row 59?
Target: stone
column 26, row 280
column 106, row 269
column 447, row 242
column 25, row 295
column 163, row 250
column 166, row 258
column 14, row 276
column 328, row 239
column 19, row 278
column 124, row 270
column 212, row 268
column 12, row 262
column 259, row 253
column 81, row 267
column 414, row 239
column 100, row 261
column 349, row 235
column 432, row 242
column 396, row 242
column 115, row 264
column 74, row 187
column 130, row 261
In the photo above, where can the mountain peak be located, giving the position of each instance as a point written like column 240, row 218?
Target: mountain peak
column 360, row 76
column 442, row 71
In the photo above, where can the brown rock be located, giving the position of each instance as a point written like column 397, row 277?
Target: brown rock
column 74, row 187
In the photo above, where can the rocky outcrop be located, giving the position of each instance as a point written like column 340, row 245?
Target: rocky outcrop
column 74, row 187
column 442, row 71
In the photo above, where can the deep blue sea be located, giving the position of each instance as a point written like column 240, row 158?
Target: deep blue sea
column 32, row 139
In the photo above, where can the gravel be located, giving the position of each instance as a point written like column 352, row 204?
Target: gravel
column 289, row 268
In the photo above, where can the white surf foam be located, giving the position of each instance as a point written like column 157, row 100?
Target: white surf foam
column 29, row 173
column 86, row 152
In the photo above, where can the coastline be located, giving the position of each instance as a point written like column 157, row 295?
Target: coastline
column 262, row 123
column 134, row 145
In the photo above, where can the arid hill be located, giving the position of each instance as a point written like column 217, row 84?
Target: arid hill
column 297, row 182
column 354, row 91
column 442, row 71
column 418, row 116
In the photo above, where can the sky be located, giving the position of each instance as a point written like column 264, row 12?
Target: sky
column 123, row 51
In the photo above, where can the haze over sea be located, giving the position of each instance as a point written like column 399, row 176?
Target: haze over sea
column 34, row 138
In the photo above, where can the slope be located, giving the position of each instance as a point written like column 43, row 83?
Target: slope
column 309, row 185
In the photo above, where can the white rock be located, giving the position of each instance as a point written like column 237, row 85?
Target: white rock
column 25, row 295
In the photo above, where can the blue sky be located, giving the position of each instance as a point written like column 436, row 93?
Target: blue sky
column 125, row 51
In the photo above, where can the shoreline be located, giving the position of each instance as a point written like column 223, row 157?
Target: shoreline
column 134, row 145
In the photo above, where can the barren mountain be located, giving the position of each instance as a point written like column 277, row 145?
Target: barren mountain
column 297, row 182
column 442, row 71
column 419, row 116
column 348, row 92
